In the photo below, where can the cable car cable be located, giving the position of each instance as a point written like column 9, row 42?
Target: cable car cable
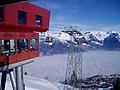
column 95, row 63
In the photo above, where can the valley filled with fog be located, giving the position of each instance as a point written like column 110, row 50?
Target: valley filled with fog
column 53, row 67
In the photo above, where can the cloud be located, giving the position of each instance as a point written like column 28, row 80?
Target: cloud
column 85, row 27
column 111, row 28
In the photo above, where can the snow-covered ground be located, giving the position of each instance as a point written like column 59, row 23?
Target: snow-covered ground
column 32, row 83
column 94, row 62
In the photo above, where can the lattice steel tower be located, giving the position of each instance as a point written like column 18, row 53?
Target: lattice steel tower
column 73, row 75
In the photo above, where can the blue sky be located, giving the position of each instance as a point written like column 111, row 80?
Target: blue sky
column 87, row 15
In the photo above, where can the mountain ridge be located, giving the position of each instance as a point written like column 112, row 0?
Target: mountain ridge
column 97, row 40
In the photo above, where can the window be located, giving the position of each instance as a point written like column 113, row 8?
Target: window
column 38, row 20
column 22, row 46
column 21, row 17
column 1, row 14
column 33, row 44
column 7, row 47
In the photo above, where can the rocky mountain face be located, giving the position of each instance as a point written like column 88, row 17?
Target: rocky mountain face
column 97, row 40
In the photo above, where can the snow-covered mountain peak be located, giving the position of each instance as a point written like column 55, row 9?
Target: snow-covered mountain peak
column 64, row 37
column 98, row 35
column 96, row 40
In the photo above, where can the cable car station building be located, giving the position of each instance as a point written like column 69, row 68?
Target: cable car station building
column 19, row 37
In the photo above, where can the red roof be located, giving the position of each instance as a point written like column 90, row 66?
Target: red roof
column 10, row 15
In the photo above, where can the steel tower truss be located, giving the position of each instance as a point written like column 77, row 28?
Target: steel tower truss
column 73, row 76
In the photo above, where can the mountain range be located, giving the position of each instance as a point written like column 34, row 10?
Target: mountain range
column 96, row 40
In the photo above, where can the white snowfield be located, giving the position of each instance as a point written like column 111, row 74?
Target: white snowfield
column 99, row 35
column 32, row 83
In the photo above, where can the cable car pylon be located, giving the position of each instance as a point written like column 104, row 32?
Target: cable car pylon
column 73, row 76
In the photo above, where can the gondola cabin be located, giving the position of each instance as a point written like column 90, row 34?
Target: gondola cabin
column 48, row 40
column 20, row 25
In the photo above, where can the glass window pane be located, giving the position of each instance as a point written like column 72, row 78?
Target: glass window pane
column 7, row 47
column 33, row 44
column 38, row 20
column 21, row 17
column 1, row 14
column 22, row 46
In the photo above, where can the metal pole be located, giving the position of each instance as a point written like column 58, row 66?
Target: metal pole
column 19, row 78
column 14, row 73
column 4, row 75
column 12, row 78
column 3, row 80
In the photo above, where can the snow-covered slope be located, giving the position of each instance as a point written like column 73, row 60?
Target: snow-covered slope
column 38, row 84
column 33, row 83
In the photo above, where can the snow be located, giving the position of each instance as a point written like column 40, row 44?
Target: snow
column 97, row 43
column 38, row 84
column 98, row 34
column 96, row 40
column 64, row 36
column 32, row 83
column 118, row 36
